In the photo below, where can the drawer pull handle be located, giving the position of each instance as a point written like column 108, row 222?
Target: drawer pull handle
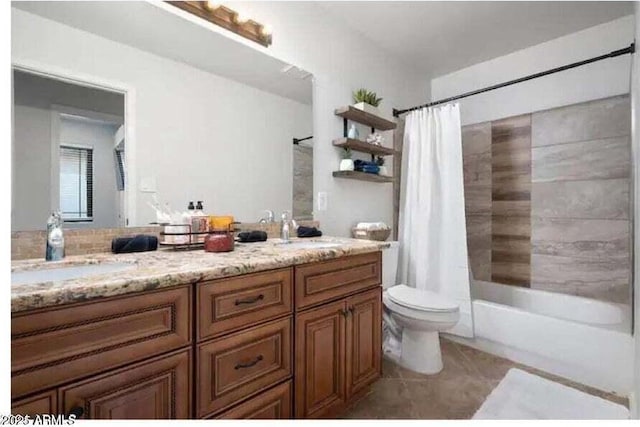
column 249, row 364
column 249, row 300
column 76, row 411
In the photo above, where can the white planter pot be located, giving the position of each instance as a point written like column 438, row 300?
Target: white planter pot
column 346, row 165
column 383, row 171
column 367, row 108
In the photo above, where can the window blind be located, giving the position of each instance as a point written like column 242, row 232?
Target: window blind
column 76, row 183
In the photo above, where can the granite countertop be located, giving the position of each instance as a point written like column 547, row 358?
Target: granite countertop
column 166, row 268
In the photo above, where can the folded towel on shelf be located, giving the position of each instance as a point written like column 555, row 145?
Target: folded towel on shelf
column 308, row 232
column 364, row 166
column 252, row 236
column 139, row 243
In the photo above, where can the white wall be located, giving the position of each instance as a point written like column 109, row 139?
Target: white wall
column 635, row 130
column 594, row 81
column 341, row 60
column 199, row 136
column 31, row 193
column 99, row 136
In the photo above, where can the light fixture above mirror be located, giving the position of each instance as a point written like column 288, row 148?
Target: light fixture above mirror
column 238, row 22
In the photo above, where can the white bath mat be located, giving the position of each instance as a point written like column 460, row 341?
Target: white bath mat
column 524, row 396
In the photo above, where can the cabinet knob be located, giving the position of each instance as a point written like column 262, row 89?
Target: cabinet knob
column 345, row 313
column 76, row 411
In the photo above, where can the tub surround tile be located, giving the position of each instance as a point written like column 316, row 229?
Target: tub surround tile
column 596, row 199
column 559, row 187
column 476, row 139
column 511, row 200
column 595, row 239
column 166, row 268
column 604, row 279
column 479, row 245
column 596, row 159
column 603, row 118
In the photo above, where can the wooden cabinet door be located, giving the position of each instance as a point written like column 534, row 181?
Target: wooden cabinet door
column 320, row 361
column 40, row 404
column 364, row 340
column 156, row 389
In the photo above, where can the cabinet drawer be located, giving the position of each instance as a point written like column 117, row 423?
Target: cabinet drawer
column 232, row 368
column 324, row 281
column 230, row 304
column 272, row 404
column 57, row 345
column 43, row 403
column 159, row 388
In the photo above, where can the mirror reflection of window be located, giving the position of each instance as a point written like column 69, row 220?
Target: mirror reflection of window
column 76, row 183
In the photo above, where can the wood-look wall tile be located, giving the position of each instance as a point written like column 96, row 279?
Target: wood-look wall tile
column 597, row 199
column 596, row 159
column 604, row 279
column 581, row 238
column 511, row 208
column 477, row 169
column 477, row 199
column 604, row 118
column 476, row 139
column 479, row 245
column 518, row 227
column 510, row 273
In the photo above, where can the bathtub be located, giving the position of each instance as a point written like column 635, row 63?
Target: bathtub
column 581, row 339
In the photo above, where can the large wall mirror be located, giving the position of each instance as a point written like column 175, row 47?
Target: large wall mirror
column 108, row 143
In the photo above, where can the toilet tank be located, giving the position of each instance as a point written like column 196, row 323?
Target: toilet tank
column 390, row 265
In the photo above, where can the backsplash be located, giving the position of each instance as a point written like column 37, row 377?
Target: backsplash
column 31, row 244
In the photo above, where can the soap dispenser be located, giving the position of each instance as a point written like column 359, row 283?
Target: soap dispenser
column 199, row 222
column 55, row 238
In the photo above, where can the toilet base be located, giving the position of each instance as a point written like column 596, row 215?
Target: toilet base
column 421, row 351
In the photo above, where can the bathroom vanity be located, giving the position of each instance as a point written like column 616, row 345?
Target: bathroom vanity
column 263, row 332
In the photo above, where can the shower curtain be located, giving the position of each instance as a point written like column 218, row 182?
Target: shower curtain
column 432, row 228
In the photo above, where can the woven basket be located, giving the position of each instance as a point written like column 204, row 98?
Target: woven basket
column 379, row 235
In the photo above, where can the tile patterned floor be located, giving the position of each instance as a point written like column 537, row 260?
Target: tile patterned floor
column 456, row 392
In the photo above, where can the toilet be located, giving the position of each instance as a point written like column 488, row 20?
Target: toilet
column 420, row 314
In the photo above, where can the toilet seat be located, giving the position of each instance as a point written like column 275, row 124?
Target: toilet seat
column 421, row 300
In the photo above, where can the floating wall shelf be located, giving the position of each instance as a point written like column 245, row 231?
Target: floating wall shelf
column 363, row 147
column 354, row 114
column 362, row 176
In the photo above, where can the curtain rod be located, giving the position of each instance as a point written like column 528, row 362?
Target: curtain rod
column 627, row 50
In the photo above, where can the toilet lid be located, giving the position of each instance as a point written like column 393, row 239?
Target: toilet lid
column 420, row 299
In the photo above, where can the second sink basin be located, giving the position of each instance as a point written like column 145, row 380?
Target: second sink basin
column 56, row 274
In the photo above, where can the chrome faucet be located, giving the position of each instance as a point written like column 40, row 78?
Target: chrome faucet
column 269, row 219
column 285, row 227
column 55, row 238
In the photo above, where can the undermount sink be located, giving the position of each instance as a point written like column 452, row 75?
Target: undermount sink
column 56, row 274
column 309, row 245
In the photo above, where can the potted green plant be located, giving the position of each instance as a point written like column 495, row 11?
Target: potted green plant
column 366, row 100
column 346, row 164
column 383, row 169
